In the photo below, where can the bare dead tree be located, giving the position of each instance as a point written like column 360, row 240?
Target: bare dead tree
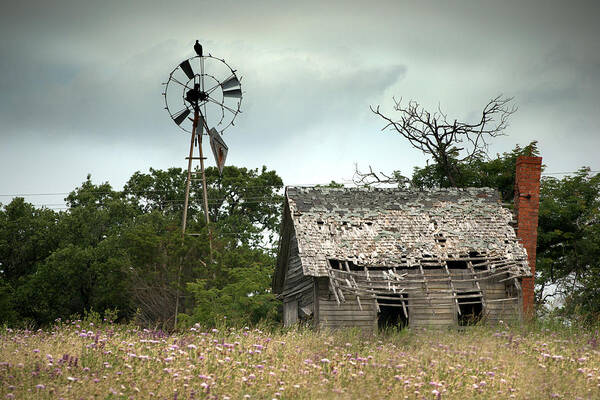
column 449, row 142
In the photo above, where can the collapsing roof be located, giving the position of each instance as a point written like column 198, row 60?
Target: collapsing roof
column 366, row 239
column 399, row 227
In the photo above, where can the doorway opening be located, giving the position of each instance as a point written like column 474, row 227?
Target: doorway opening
column 393, row 311
column 470, row 305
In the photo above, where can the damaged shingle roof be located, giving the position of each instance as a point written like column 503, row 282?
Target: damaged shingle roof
column 377, row 227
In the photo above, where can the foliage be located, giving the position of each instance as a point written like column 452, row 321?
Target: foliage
column 241, row 201
column 498, row 172
column 27, row 236
column 8, row 313
column 240, row 292
column 245, row 203
column 568, row 255
column 333, row 184
column 162, row 261
column 124, row 250
column 160, row 190
column 74, row 279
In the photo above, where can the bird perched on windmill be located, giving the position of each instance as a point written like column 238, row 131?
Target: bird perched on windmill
column 198, row 48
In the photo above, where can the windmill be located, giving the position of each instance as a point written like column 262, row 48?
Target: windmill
column 203, row 91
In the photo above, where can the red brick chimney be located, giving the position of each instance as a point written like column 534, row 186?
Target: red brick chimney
column 527, row 202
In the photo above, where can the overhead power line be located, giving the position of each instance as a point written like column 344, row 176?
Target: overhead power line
column 567, row 172
column 148, row 192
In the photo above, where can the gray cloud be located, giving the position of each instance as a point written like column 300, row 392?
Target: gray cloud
column 81, row 81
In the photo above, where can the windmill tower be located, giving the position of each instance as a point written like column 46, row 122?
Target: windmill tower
column 203, row 96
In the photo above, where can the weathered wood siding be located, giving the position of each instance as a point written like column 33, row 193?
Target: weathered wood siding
column 495, row 294
column 428, row 305
column 297, row 287
column 432, row 312
column 444, row 313
column 290, row 312
column 346, row 314
column 507, row 310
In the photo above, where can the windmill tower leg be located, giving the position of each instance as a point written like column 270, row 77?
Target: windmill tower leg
column 202, row 170
column 197, row 131
column 189, row 174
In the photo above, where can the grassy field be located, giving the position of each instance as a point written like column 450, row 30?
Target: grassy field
column 83, row 360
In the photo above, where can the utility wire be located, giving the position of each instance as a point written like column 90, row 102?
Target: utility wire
column 140, row 193
column 145, row 192
column 567, row 172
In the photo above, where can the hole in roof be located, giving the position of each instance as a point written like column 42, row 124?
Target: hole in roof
column 440, row 239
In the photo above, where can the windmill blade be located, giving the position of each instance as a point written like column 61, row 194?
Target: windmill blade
column 233, row 93
column 231, row 82
column 181, row 117
column 187, row 69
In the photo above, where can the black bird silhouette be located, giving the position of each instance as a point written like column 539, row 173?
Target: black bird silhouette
column 198, row 48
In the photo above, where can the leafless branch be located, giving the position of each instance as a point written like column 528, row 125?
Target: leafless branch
column 371, row 178
column 441, row 139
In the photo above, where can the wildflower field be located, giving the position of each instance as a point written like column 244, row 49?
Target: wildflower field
column 83, row 360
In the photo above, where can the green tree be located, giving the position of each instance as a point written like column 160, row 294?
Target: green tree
column 568, row 254
column 236, row 286
column 242, row 202
column 161, row 263
column 74, row 279
column 161, row 190
column 498, row 172
column 95, row 212
column 244, row 206
column 124, row 250
column 27, row 235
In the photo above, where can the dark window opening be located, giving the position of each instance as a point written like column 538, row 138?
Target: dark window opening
column 391, row 313
column 457, row 264
column 470, row 305
column 475, row 254
column 433, row 266
column 341, row 266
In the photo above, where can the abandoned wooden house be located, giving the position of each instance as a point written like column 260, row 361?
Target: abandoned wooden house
column 356, row 257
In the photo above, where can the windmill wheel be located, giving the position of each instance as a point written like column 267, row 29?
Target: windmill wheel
column 208, row 84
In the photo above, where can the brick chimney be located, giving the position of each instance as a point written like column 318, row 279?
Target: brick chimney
column 527, row 202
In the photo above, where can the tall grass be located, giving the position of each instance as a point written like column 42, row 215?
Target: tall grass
column 100, row 360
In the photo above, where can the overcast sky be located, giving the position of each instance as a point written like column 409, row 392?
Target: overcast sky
column 80, row 83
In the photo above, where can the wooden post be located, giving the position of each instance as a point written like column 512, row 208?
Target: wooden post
column 452, row 287
column 203, row 174
column 197, row 131
column 189, row 173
